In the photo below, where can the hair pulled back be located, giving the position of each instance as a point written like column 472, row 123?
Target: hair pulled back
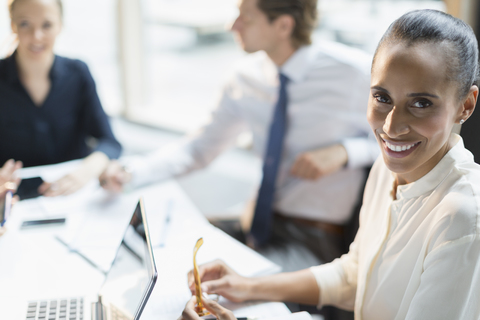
column 432, row 26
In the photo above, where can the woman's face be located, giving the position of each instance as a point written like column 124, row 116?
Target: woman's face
column 412, row 107
column 37, row 24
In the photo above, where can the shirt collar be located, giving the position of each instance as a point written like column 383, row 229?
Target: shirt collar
column 56, row 71
column 458, row 154
column 297, row 66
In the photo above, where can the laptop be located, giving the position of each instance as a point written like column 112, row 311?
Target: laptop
column 126, row 288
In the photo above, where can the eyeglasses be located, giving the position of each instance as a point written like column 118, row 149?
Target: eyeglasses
column 200, row 309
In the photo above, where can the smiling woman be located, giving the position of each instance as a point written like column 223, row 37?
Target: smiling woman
column 49, row 106
column 419, row 91
column 417, row 251
column 413, row 107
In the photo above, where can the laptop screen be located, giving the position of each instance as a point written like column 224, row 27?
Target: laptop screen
column 131, row 278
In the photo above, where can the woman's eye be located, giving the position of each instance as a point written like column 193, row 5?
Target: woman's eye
column 47, row 25
column 23, row 24
column 422, row 104
column 381, row 98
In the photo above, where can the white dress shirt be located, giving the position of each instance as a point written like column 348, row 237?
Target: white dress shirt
column 416, row 257
column 327, row 103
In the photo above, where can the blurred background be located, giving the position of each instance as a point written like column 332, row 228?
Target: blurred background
column 159, row 65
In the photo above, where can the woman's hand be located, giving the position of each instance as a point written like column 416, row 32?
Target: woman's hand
column 7, row 174
column 8, row 179
column 114, row 177
column 90, row 168
column 220, row 279
column 217, row 310
column 318, row 163
column 217, row 277
column 8, row 182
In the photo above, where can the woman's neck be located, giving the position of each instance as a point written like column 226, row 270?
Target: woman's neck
column 30, row 68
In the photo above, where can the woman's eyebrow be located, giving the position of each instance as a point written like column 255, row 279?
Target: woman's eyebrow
column 380, row 89
column 410, row 95
column 422, row 94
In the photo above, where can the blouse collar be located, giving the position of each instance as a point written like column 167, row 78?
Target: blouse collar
column 456, row 155
column 12, row 71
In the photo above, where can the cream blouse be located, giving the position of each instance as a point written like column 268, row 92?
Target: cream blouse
column 417, row 257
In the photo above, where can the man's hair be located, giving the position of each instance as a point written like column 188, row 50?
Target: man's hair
column 11, row 5
column 304, row 12
column 431, row 26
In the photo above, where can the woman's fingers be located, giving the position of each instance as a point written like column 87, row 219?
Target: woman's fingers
column 7, row 169
column 7, row 172
column 219, row 279
column 57, row 188
column 209, row 271
column 220, row 312
column 216, row 286
column 44, row 187
column 8, row 176
column 189, row 312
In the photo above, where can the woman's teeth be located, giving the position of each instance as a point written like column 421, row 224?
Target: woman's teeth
column 399, row 148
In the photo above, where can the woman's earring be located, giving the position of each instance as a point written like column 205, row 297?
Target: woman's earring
column 462, row 121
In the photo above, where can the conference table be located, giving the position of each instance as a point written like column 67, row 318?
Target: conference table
column 70, row 259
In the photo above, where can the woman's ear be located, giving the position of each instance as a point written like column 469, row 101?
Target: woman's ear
column 468, row 105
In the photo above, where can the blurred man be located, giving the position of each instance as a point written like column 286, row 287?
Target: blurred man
column 306, row 107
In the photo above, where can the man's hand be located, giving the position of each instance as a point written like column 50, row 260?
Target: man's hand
column 217, row 310
column 220, row 279
column 315, row 164
column 114, row 177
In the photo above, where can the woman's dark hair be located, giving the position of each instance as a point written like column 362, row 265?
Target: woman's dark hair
column 304, row 12
column 432, row 26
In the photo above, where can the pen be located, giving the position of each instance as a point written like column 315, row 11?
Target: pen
column 93, row 264
column 166, row 224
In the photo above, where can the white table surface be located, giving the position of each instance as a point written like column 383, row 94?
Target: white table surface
column 35, row 265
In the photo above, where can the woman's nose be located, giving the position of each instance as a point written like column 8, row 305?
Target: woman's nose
column 396, row 123
column 38, row 34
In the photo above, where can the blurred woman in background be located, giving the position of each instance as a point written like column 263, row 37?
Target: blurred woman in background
column 49, row 108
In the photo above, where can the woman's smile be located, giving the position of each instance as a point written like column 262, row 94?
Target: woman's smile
column 399, row 149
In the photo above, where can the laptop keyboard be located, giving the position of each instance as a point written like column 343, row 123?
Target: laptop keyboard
column 65, row 309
